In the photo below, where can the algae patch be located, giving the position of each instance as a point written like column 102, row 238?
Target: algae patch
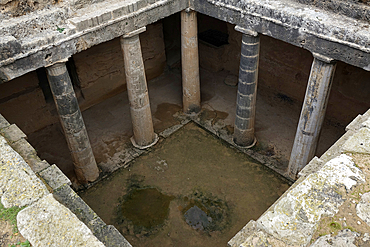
column 146, row 207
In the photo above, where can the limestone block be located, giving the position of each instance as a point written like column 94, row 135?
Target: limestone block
column 363, row 208
column 261, row 239
column 19, row 186
column 240, row 237
column 54, row 177
column 314, row 165
column 359, row 142
column 49, row 223
column 12, row 133
column 3, row 122
column 294, row 218
column 29, row 154
column 354, row 124
column 109, row 235
column 366, row 123
column 344, row 238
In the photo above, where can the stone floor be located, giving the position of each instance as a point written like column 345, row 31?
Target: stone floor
column 109, row 124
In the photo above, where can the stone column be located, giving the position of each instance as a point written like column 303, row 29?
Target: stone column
column 312, row 114
column 137, row 89
column 190, row 62
column 72, row 123
column 247, row 89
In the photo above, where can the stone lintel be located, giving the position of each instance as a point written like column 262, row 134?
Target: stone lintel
column 246, row 31
column 135, row 32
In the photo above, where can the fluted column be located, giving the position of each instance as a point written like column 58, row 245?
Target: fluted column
column 72, row 122
column 247, row 89
column 190, row 62
column 137, row 89
column 312, row 114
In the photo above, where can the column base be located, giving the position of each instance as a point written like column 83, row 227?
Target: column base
column 247, row 147
column 156, row 138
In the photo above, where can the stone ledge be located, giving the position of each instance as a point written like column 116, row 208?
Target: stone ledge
column 107, row 234
column 49, row 223
column 45, row 221
column 54, row 177
column 19, row 186
column 12, row 133
column 323, row 187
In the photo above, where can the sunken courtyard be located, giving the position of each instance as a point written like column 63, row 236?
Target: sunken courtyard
column 185, row 123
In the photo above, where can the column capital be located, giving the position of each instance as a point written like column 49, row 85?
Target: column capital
column 188, row 10
column 62, row 61
column 135, row 32
column 246, row 31
column 323, row 58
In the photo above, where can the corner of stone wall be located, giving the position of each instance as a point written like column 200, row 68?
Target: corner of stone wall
column 324, row 186
column 48, row 195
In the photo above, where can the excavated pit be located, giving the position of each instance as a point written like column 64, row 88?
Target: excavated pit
column 191, row 189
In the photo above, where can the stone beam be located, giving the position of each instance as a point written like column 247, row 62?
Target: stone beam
column 73, row 125
column 312, row 114
column 26, row 54
column 339, row 37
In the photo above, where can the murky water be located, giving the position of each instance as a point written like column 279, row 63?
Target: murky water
column 192, row 189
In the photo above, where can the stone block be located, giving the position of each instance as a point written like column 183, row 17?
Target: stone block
column 38, row 166
column 120, row 11
column 294, row 218
column 313, row 166
column 366, row 123
column 358, row 142
column 355, row 123
column 3, row 122
column 243, row 234
column 12, row 133
column 107, row 234
column 363, row 208
column 9, row 47
column 49, row 223
column 344, row 238
column 19, row 186
column 29, row 154
column 54, row 177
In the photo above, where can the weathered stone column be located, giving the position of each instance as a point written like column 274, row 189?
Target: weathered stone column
column 312, row 114
column 137, row 89
column 72, row 123
column 247, row 89
column 190, row 62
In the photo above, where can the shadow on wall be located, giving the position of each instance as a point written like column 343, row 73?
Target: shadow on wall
column 285, row 68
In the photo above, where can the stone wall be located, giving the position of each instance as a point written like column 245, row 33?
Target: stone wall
column 22, row 102
column 101, row 74
column 285, row 69
column 101, row 70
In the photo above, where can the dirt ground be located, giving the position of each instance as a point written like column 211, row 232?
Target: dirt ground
column 109, row 124
column 7, row 237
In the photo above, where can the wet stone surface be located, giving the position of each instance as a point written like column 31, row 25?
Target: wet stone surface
column 197, row 218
